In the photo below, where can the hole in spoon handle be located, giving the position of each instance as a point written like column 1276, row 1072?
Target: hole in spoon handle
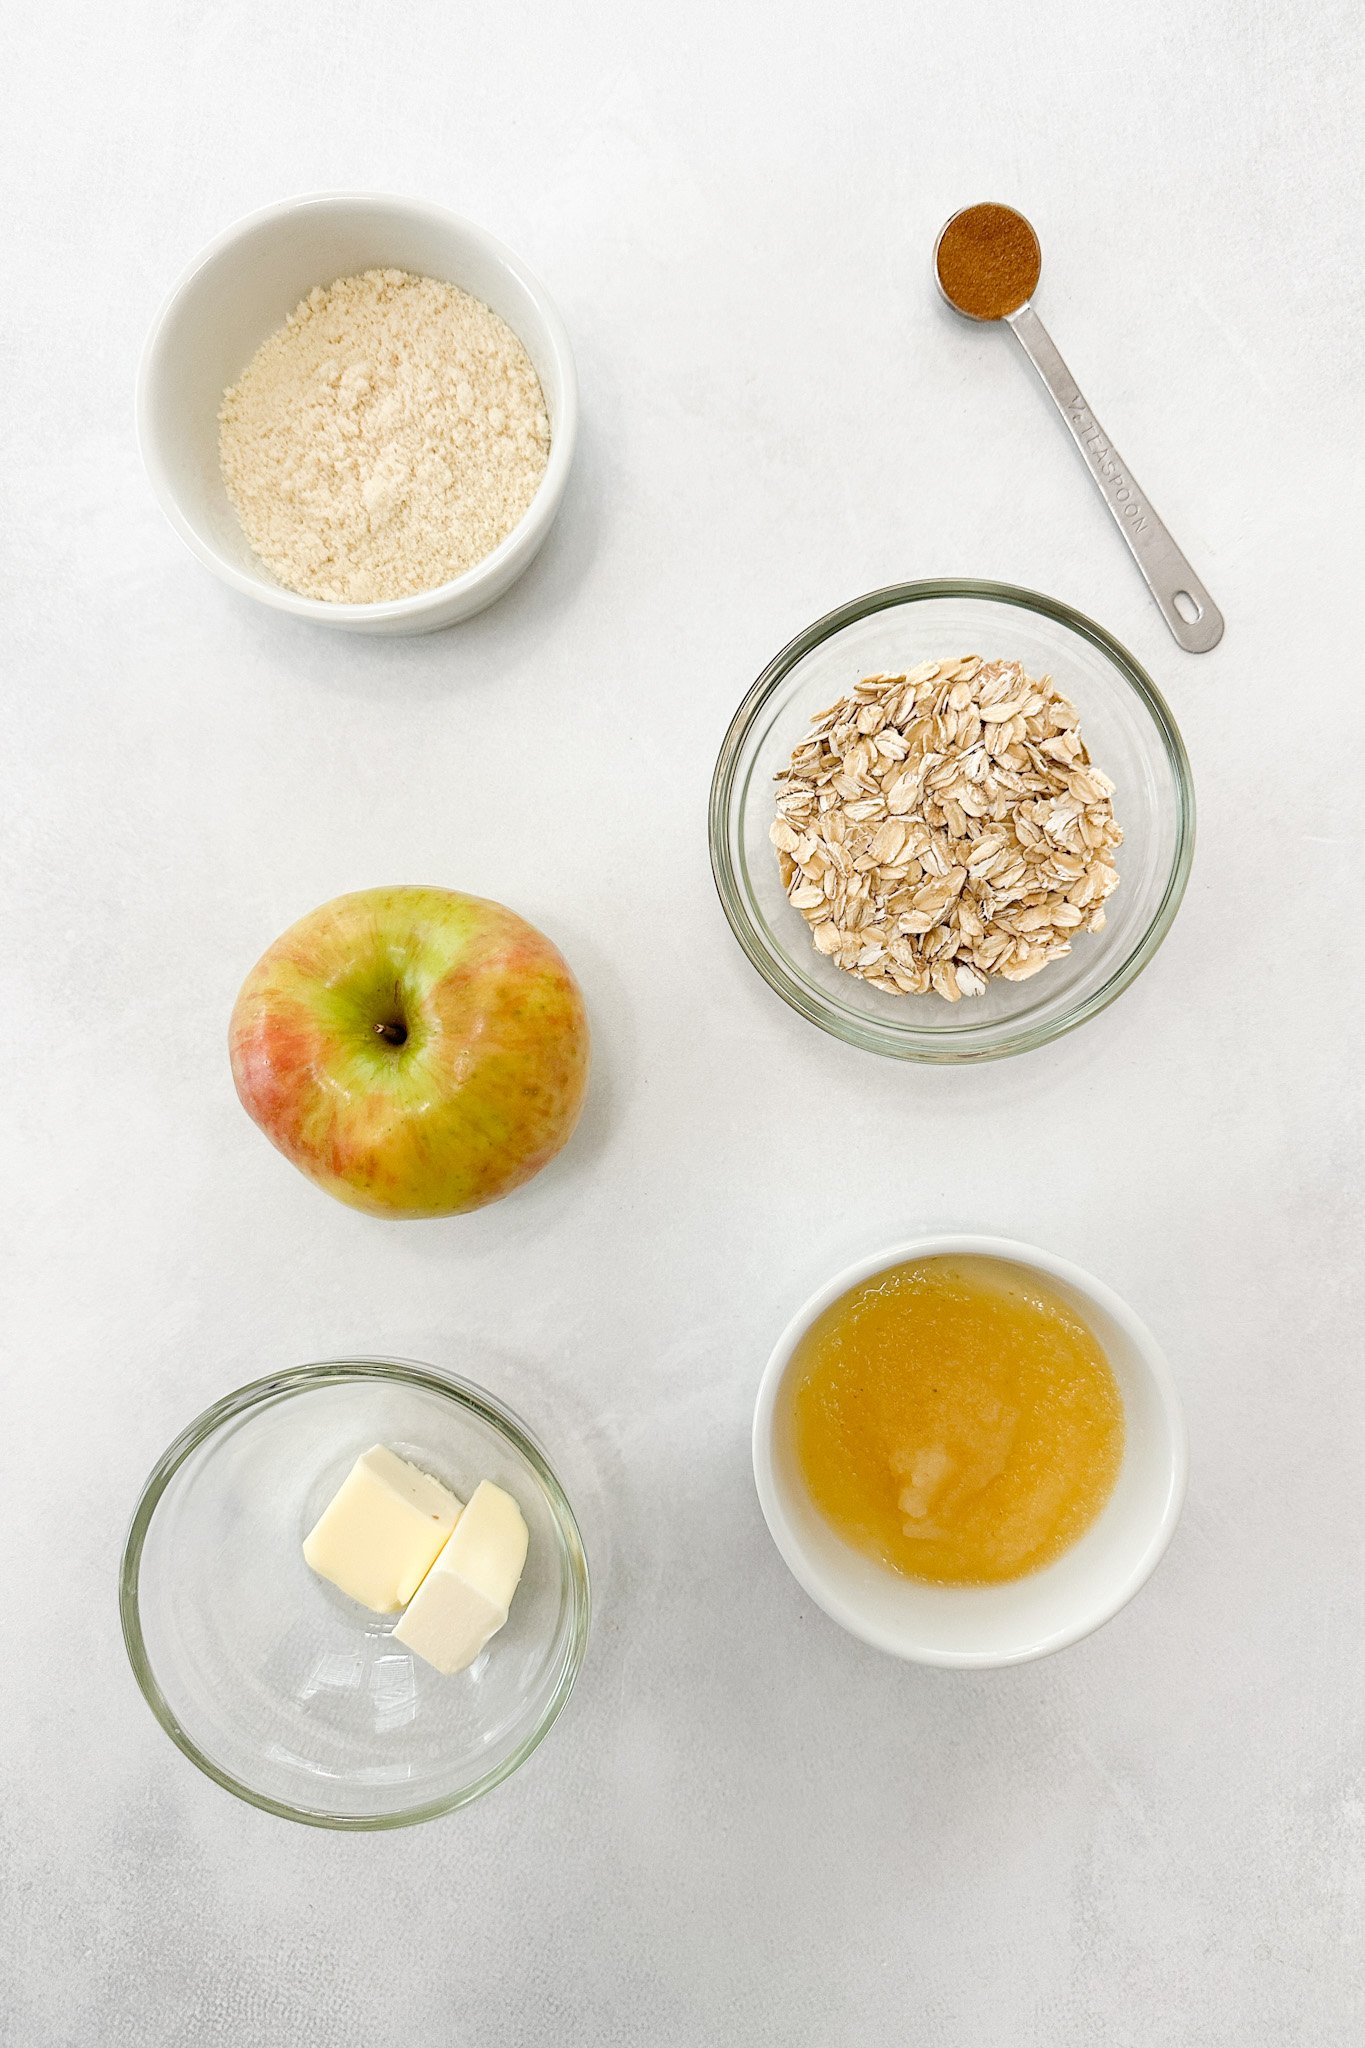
column 1194, row 619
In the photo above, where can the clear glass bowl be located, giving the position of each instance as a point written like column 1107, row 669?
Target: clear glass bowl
column 274, row 1683
column 1130, row 734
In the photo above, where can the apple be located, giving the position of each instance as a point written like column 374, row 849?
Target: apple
column 416, row 1052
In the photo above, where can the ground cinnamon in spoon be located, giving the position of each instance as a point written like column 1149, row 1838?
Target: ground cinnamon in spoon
column 988, row 261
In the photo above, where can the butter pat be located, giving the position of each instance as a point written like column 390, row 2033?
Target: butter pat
column 382, row 1530
column 464, row 1598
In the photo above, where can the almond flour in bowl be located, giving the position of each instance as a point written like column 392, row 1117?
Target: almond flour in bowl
column 385, row 440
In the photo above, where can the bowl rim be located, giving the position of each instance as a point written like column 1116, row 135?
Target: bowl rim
column 327, row 1372
column 998, row 1042
column 772, row 1496
column 529, row 530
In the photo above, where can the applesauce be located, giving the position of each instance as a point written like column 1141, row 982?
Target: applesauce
column 956, row 1420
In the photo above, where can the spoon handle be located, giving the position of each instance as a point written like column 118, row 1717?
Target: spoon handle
column 1198, row 624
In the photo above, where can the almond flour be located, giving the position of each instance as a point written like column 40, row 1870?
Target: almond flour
column 384, row 440
column 943, row 827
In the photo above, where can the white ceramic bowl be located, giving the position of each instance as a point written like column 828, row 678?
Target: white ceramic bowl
column 982, row 1625
column 241, row 288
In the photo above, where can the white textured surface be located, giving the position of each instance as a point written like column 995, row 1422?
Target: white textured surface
column 746, row 1829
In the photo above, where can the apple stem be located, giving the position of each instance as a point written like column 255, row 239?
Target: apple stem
column 392, row 1030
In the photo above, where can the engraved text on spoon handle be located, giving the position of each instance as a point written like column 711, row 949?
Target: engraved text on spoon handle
column 1197, row 626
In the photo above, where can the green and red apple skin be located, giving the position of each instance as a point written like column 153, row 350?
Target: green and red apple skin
column 415, row 1051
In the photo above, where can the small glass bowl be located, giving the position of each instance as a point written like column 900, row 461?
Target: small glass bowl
column 273, row 1682
column 1130, row 735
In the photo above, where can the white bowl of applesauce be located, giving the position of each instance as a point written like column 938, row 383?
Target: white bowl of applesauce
column 968, row 1451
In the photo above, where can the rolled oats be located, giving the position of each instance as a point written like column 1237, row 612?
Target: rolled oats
column 946, row 827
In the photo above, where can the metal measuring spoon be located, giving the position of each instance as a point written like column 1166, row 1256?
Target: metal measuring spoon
column 987, row 261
